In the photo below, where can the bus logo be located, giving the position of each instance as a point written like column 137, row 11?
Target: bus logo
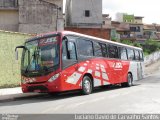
column 117, row 65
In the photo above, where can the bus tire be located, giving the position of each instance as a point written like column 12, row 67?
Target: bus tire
column 87, row 86
column 129, row 82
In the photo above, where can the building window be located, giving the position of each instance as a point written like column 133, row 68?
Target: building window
column 87, row 13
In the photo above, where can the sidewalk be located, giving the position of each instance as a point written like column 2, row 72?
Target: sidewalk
column 9, row 94
column 10, row 91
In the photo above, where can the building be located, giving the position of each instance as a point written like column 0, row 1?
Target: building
column 84, row 13
column 9, row 15
column 135, row 25
column 106, row 21
column 123, row 17
column 150, row 31
column 122, row 29
column 85, row 16
column 31, row 16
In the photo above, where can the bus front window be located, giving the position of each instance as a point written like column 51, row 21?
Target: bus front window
column 40, row 56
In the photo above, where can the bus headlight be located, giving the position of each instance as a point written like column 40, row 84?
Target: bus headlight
column 53, row 78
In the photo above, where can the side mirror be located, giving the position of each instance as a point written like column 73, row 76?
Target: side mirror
column 16, row 51
column 16, row 54
column 70, row 46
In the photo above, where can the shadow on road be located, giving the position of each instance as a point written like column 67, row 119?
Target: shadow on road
column 64, row 95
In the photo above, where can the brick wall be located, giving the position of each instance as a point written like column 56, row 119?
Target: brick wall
column 97, row 32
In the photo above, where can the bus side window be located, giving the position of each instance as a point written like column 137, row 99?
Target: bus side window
column 141, row 55
column 97, row 49
column 85, row 47
column 130, row 53
column 123, row 53
column 137, row 57
column 104, row 50
column 68, row 50
column 64, row 50
column 72, row 50
column 113, row 51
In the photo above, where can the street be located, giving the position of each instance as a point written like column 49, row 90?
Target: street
column 143, row 97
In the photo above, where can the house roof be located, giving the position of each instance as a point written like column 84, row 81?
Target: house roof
column 120, row 26
column 149, row 27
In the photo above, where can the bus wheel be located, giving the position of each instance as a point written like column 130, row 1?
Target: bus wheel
column 87, row 85
column 129, row 82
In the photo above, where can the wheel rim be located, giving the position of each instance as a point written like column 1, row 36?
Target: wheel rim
column 87, row 86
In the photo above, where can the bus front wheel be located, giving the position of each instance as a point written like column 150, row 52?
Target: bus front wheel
column 87, row 86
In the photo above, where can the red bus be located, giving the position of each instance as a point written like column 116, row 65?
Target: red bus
column 64, row 61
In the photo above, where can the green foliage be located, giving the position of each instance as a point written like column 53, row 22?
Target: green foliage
column 9, row 67
column 113, row 39
column 151, row 46
column 128, row 42
column 148, row 47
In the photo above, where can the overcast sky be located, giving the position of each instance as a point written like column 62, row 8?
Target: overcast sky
column 149, row 9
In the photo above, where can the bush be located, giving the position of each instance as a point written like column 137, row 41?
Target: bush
column 151, row 46
column 148, row 47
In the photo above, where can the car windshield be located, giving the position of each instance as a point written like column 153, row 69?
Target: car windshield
column 41, row 55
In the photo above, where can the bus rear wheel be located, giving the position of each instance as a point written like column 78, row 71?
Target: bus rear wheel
column 87, row 86
column 129, row 82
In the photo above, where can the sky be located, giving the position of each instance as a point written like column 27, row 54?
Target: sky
column 149, row 9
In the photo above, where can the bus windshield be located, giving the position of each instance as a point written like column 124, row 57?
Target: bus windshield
column 40, row 56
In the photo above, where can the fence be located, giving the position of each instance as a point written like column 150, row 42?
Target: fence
column 9, row 67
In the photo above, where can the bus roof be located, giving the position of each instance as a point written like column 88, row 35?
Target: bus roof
column 99, row 39
column 82, row 35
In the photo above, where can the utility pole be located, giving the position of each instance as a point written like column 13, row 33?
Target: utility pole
column 58, row 9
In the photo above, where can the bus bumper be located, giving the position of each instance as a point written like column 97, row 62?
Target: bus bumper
column 40, row 88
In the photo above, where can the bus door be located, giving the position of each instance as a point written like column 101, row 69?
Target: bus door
column 69, row 64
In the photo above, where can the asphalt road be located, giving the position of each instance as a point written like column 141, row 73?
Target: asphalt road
column 144, row 97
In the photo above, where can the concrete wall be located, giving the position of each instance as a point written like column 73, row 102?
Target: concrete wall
column 9, row 67
column 9, row 20
column 97, row 32
column 37, row 16
column 140, row 21
column 152, row 58
column 76, row 9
